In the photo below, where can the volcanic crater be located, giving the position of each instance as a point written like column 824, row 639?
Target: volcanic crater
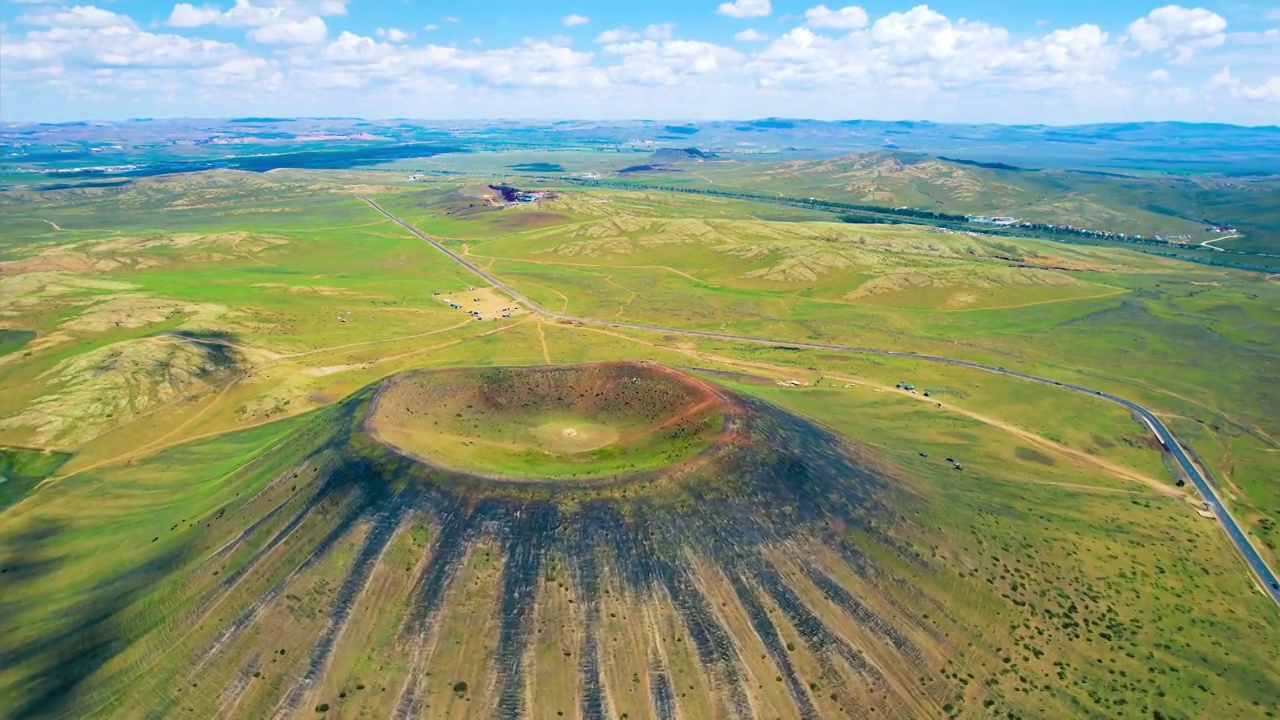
column 579, row 424
column 743, row 569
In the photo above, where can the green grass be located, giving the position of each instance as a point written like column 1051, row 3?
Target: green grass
column 1034, row 524
column 11, row 341
column 21, row 469
column 1105, row 598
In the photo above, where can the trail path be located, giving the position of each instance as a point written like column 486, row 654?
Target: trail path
column 1210, row 243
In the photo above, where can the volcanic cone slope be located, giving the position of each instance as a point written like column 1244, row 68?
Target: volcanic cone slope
column 747, row 578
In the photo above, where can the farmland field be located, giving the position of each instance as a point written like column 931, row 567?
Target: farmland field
column 256, row 463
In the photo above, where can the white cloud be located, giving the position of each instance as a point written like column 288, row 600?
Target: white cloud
column 291, row 32
column 663, row 31
column 80, row 16
column 112, row 47
column 1267, row 90
column 247, row 14
column 1223, row 77
column 452, row 20
column 745, row 8
column 1179, row 31
column 837, row 63
column 395, row 35
column 574, row 19
column 925, row 51
column 621, row 34
column 668, row 62
column 1270, row 36
column 846, row 18
column 243, row 14
column 186, row 15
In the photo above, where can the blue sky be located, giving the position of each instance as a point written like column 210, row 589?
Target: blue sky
column 1053, row 61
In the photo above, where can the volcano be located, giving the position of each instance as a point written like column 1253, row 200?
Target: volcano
column 686, row 551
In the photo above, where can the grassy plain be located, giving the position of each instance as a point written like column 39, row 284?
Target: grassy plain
column 188, row 354
column 1186, row 340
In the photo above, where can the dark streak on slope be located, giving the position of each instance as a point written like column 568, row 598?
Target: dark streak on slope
column 391, row 513
column 870, row 574
column 810, row 627
column 582, row 546
column 773, row 644
column 254, row 611
column 664, row 701
column 864, row 615
column 454, row 538
column 715, row 648
column 527, row 527
column 321, row 494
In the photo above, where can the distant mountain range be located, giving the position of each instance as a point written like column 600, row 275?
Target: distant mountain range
column 1121, row 147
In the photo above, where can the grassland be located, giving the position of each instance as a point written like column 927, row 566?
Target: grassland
column 177, row 353
column 1141, row 203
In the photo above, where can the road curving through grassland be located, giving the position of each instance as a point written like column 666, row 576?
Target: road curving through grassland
column 1269, row 581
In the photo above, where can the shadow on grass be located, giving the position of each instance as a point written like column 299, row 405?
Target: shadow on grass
column 54, row 667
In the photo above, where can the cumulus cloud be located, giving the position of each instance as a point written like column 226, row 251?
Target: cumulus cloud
column 925, row 51
column 114, row 46
column 660, row 31
column 833, row 60
column 248, row 14
column 846, row 18
column 291, row 32
column 1270, row 36
column 1178, row 31
column 283, row 22
column 574, row 19
column 667, row 62
column 621, row 34
column 186, row 15
column 243, row 14
column 352, row 60
column 395, row 35
column 80, row 16
column 745, row 8
column 1267, row 90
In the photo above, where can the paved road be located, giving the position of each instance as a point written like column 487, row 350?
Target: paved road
column 1269, row 581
